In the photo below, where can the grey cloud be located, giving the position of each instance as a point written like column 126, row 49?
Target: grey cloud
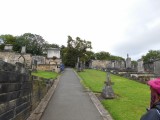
column 139, row 38
column 140, row 44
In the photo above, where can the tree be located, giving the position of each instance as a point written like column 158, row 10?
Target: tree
column 34, row 43
column 75, row 48
column 7, row 39
column 151, row 56
column 47, row 45
column 102, row 55
column 113, row 57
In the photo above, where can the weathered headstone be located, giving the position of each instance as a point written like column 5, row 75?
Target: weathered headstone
column 23, row 50
column 157, row 67
column 8, row 47
column 107, row 92
column 140, row 67
column 128, row 62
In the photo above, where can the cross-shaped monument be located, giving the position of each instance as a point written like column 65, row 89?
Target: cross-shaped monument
column 107, row 91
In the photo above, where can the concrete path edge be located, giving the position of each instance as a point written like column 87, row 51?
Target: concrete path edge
column 104, row 113
column 38, row 112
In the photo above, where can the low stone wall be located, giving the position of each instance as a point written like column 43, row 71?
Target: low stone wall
column 139, row 77
column 40, row 88
column 48, row 67
column 20, row 93
column 15, row 91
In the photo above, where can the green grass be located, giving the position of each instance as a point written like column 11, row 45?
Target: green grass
column 131, row 97
column 45, row 74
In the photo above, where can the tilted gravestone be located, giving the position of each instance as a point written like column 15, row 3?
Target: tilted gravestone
column 107, row 91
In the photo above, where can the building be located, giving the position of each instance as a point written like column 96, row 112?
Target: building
column 53, row 52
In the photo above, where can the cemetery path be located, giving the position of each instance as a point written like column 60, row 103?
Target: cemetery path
column 70, row 101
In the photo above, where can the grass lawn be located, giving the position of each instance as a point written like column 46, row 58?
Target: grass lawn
column 45, row 74
column 131, row 97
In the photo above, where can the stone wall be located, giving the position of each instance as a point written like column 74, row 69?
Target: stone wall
column 140, row 67
column 100, row 64
column 39, row 59
column 20, row 93
column 13, row 57
column 40, row 88
column 48, row 67
column 15, row 91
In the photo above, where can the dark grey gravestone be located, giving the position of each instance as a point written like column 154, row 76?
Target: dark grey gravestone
column 107, row 91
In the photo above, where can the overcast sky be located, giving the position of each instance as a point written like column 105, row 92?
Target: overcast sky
column 115, row 26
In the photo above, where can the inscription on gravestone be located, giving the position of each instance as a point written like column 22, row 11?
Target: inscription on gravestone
column 107, row 91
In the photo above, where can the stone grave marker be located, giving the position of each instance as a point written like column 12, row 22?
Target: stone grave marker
column 140, row 67
column 23, row 50
column 8, row 47
column 128, row 62
column 107, row 91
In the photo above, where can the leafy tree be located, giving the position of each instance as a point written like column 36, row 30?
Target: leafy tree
column 47, row 45
column 20, row 41
column 151, row 56
column 8, row 39
column 63, row 52
column 1, row 47
column 112, row 57
column 106, row 56
column 75, row 48
column 102, row 55
column 34, row 43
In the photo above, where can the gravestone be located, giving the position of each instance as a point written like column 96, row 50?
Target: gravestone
column 157, row 67
column 90, row 64
column 34, row 65
column 8, row 47
column 23, row 50
column 107, row 91
column 112, row 64
column 78, row 66
column 128, row 62
column 140, row 67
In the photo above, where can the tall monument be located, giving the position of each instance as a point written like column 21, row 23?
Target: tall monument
column 128, row 62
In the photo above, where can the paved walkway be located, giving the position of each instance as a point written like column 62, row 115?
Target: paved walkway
column 70, row 101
